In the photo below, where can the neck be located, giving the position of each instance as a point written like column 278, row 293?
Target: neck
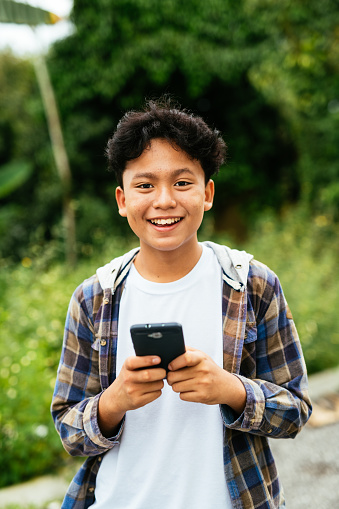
column 166, row 266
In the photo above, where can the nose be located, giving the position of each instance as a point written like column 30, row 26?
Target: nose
column 164, row 198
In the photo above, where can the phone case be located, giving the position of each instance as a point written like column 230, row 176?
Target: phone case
column 163, row 339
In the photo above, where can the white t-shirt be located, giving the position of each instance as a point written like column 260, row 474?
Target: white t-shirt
column 171, row 451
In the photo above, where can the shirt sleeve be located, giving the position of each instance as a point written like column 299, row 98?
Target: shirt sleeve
column 77, row 390
column 273, row 369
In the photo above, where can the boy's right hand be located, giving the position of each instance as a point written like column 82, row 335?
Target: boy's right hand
column 134, row 387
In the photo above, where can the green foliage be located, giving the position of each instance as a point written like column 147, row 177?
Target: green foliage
column 19, row 506
column 27, row 213
column 123, row 51
column 13, row 175
column 19, row 108
column 30, row 337
column 18, row 12
column 33, row 306
column 299, row 74
column 264, row 73
column 305, row 255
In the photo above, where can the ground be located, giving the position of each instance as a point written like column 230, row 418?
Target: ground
column 309, row 468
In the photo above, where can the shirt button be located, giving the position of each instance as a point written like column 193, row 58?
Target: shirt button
column 99, row 459
column 106, row 301
column 103, row 342
column 238, row 266
column 91, row 489
column 269, row 430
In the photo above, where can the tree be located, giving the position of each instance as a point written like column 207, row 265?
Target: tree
column 17, row 12
column 125, row 50
column 264, row 73
column 23, row 144
column 299, row 74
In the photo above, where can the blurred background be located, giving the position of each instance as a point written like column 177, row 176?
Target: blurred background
column 265, row 73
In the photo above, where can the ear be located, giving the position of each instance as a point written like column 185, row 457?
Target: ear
column 209, row 195
column 121, row 201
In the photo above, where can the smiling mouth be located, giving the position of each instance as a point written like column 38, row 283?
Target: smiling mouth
column 165, row 222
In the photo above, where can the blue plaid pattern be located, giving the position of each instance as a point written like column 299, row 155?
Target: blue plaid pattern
column 261, row 347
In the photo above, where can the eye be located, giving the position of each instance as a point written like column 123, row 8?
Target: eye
column 182, row 183
column 144, row 186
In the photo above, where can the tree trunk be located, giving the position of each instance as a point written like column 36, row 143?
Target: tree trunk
column 60, row 155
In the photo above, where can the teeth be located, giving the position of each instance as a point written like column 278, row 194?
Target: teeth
column 165, row 221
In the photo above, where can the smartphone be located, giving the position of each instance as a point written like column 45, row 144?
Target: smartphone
column 163, row 339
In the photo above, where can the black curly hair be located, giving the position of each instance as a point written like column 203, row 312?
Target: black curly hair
column 165, row 119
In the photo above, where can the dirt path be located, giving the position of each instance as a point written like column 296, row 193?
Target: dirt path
column 309, row 468
column 44, row 492
column 309, row 464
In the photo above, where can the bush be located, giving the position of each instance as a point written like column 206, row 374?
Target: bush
column 33, row 306
column 304, row 253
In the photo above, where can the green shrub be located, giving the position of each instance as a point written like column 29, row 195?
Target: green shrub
column 33, row 306
column 304, row 253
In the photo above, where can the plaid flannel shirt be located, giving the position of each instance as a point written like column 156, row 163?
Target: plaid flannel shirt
column 261, row 347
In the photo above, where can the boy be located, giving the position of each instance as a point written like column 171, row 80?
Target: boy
column 198, row 438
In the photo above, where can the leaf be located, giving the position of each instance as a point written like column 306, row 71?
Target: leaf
column 13, row 175
column 20, row 13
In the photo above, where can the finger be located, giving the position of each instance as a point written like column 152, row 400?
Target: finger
column 149, row 397
column 191, row 396
column 144, row 399
column 150, row 375
column 182, row 387
column 133, row 363
column 180, row 375
column 137, row 394
column 156, row 386
column 190, row 358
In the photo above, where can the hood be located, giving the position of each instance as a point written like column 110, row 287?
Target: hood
column 234, row 263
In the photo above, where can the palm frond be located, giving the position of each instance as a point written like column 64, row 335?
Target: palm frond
column 21, row 13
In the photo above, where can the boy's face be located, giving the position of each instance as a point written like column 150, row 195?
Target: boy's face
column 164, row 198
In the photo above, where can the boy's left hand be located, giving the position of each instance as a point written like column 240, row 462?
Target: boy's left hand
column 199, row 379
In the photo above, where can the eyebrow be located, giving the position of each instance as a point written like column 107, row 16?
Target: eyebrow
column 153, row 175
